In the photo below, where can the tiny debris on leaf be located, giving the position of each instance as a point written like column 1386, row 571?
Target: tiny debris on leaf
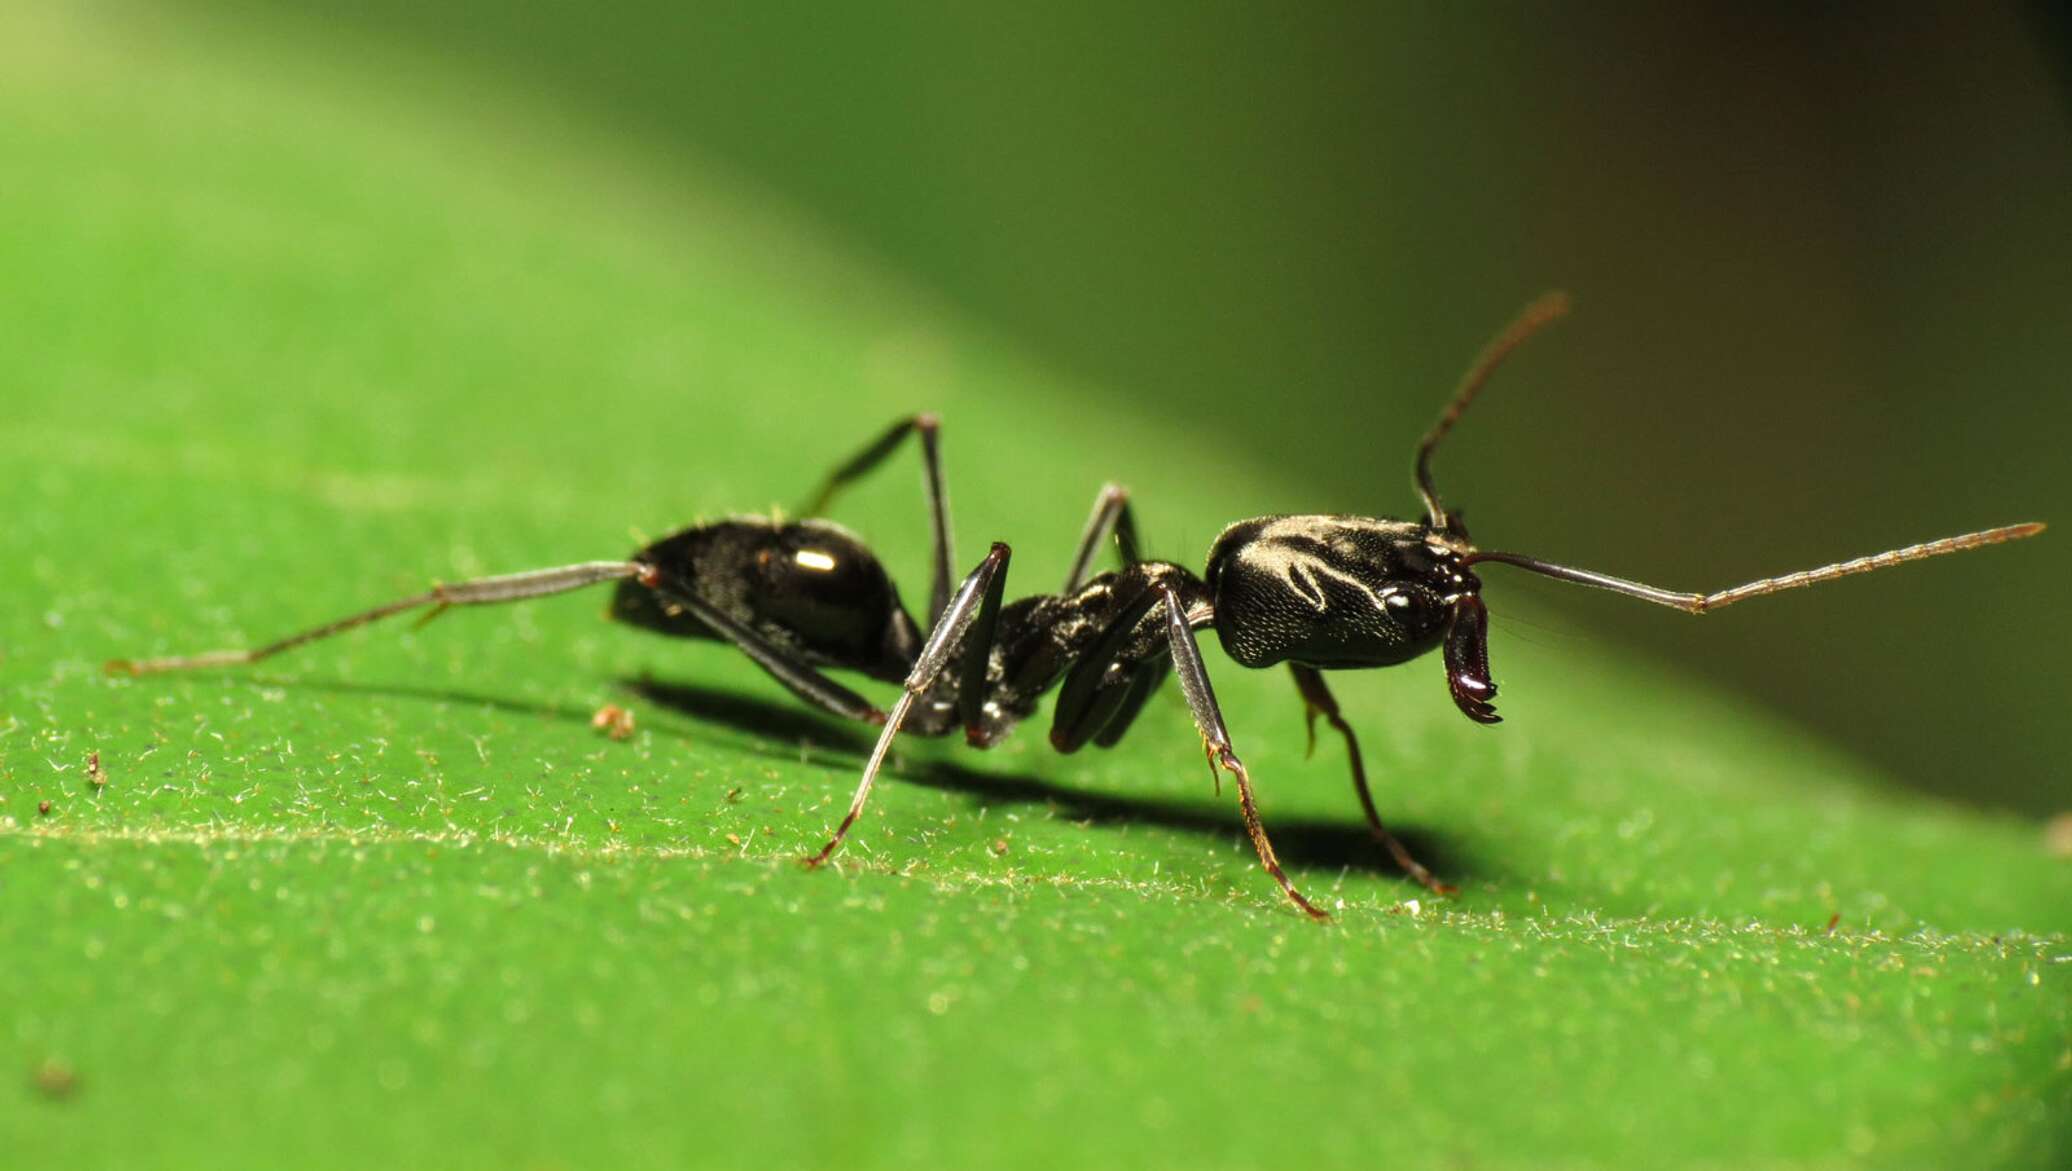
column 55, row 1080
column 94, row 775
column 999, row 847
column 43, row 807
column 1834, row 921
column 2057, row 836
column 614, row 721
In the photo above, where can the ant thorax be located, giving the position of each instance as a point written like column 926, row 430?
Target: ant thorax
column 1040, row 639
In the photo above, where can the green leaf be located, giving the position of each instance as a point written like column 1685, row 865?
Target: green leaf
column 286, row 339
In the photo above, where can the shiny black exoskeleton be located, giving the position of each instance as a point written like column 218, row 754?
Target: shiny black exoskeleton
column 1330, row 592
column 1315, row 592
column 810, row 588
column 819, row 598
column 1324, row 592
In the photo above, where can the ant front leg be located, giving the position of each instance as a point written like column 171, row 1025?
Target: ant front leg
column 1318, row 701
column 973, row 608
column 1201, row 700
column 926, row 425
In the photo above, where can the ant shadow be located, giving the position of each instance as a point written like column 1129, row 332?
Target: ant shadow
column 776, row 730
column 1305, row 844
column 501, row 703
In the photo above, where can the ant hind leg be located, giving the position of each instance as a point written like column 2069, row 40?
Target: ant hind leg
column 926, row 425
column 797, row 675
column 509, row 587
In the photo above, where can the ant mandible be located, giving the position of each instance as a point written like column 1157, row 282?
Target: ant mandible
column 1316, row 592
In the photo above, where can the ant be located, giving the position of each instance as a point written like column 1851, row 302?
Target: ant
column 1316, row 592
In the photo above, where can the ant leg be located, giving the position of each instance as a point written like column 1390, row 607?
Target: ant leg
column 978, row 595
column 1201, row 700
column 786, row 667
column 1099, row 700
column 801, row 678
column 510, row 587
column 865, row 461
column 1111, row 514
column 1318, row 701
column 1092, row 693
column 1143, row 684
column 978, row 646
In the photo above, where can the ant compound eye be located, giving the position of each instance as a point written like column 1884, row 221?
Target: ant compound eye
column 1414, row 609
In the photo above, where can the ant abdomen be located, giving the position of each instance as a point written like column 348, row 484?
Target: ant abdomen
column 811, row 587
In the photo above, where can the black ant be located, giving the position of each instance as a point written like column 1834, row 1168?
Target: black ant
column 1316, row 592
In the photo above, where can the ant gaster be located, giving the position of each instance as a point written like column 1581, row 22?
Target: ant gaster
column 1316, row 592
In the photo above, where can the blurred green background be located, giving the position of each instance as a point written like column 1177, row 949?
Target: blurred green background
column 306, row 306
column 1820, row 256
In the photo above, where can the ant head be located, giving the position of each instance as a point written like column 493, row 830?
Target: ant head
column 1348, row 591
column 1467, row 632
column 1466, row 635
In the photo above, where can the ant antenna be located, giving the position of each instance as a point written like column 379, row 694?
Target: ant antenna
column 1703, row 603
column 1549, row 308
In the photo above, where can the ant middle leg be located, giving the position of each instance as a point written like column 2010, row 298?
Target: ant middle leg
column 927, row 426
column 1317, row 700
column 1201, row 700
column 1111, row 514
column 973, row 609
